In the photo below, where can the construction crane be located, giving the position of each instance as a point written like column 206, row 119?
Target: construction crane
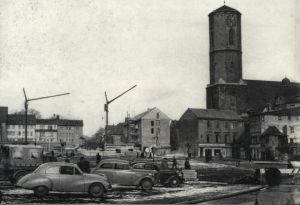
column 106, row 110
column 27, row 100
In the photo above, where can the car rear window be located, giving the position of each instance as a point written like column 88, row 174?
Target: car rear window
column 122, row 166
column 52, row 170
column 68, row 170
column 138, row 166
column 107, row 166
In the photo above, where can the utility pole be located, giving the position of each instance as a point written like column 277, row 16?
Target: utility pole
column 106, row 110
column 26, row 107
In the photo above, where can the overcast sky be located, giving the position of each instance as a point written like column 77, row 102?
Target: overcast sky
column 87, row 47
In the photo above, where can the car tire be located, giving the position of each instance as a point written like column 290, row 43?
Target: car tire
column 41, row 190
column 174, row 182
column 96, row 190
column 19, row 175
column 146, row 184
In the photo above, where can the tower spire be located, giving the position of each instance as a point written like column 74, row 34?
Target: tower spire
column 224, row 2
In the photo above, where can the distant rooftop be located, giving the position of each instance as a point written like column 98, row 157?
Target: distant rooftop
column 215, row 114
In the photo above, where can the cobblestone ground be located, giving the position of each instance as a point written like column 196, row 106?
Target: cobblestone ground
column 189, row 191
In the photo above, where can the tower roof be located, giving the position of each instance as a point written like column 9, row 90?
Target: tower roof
column 224, row 9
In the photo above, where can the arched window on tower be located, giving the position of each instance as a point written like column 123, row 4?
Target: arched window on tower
column 231, row 36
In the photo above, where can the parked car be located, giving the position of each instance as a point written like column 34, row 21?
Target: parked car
column 166, row 177
column 120, row 172
column 64, row 177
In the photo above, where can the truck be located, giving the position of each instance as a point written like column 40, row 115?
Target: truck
column 19, row 160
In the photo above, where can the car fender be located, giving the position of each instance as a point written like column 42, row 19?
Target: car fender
column 89, row 181
column 140, row 179
column 171, row 177
column 37, row 180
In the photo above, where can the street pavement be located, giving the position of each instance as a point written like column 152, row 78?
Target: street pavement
column 132, row 195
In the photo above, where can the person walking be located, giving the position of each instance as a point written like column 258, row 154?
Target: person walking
column 174, row 165
column 187, row 164
column 98, row 158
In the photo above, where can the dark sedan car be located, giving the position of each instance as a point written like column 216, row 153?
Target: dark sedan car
column 166, row 176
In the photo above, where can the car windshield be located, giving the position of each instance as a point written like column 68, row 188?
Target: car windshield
column 40, row 168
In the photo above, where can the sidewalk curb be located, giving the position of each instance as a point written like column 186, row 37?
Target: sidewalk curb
column 222, row 196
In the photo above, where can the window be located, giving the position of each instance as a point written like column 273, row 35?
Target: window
column 289, row 117
column 52, row 170
column 107, row 166
column 291, row 129
column 152, row 123
column 208, row 124
column 207, row 138
column 217, row 138
column 157, row 115
column 292, row 141
column 19, row 133
column 217, row 124
column 157, row 131
column 284, row 129
column 49, row 127
column 231, row 64
column 226, row 136
column 157, row 122
column 138, row 166
column 122, row 166
column 231, row 37
column 67, row 170
column 226, row 124
column 152, row 130
column 233, row 138
column 77, row 172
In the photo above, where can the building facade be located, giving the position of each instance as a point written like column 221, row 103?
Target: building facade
column 148, row 129
column 210, row 132
column 15, row 126
column 286, row 121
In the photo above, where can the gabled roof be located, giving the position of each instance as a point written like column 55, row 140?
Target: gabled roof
column 284, row 112
column 73, row 123
column 149, row 113
column 215, row 114
column 260, row 93
column 272, row 130
column 140, row 116
column 224, row 9
column 20, row 119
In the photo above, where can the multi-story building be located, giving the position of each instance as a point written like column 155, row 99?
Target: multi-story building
column 210, row 132
column 149, row 129
column 46, row 131
column 286, row 121
column 15, row 126
column 70, row 131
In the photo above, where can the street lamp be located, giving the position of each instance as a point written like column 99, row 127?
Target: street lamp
column 27, row 100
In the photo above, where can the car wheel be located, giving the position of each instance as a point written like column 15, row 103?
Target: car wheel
column 41, row 191
column 96, row 190
column 147, row 184
column 174, row 182
column 19, row 175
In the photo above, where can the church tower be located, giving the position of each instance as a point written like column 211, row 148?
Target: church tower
column 226, row 87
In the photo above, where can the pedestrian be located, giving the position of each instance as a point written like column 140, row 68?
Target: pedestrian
column 164, row 164
column 174, row 165
column 84, row 165
column 187, row 164
column 98, row 158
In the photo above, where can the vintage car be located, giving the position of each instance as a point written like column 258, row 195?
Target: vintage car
column 166, row 177
column 63, row 177
column 120, row 172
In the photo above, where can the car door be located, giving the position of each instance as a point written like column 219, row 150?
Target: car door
column 106, row 168
column 53, row 174
column 71, row 179
column 123, row 175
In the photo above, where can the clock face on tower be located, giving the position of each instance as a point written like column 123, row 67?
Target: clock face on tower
column 231, row 20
